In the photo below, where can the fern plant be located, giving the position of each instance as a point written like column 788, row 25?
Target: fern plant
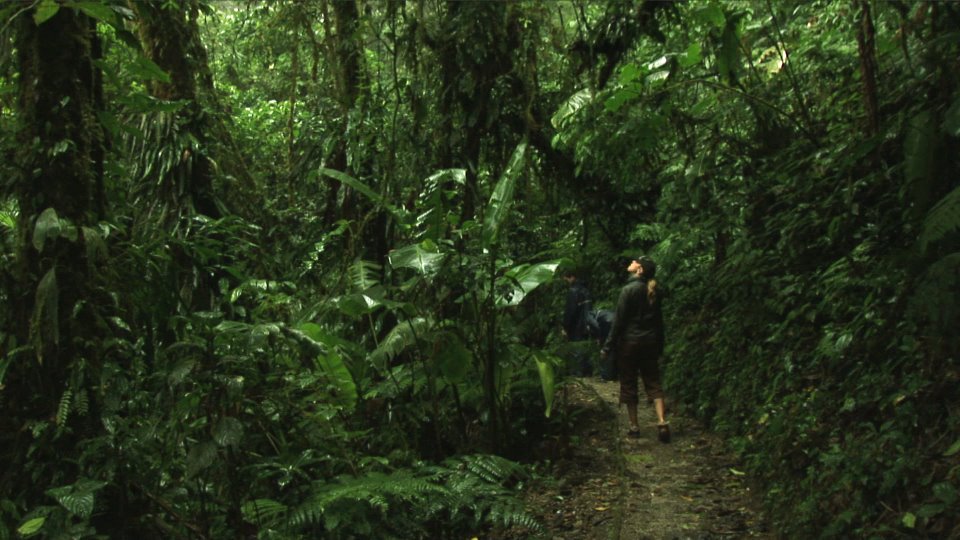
column 457, row 497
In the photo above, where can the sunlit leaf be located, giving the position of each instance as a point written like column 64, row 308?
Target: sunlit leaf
column 31, row 526
column 423, row 257
column 545, row 364
column 691, row 56
column 570, row 107
column 629, row 73
column 525, row 278
column 909, row 520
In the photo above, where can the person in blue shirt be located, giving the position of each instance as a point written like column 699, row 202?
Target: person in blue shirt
column 578, row 304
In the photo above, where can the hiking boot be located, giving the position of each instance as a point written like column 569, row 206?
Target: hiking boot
column 663, row 433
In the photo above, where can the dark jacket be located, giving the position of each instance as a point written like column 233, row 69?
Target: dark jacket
column 578, row 303
column 636, row 320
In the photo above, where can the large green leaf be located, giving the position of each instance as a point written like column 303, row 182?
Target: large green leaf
column 46, row 10
column 77, row 498
column 357, row 304
column 97, row 9
column 569, row 109
column 364, row 274
column 31, row 526
column 47, row 226
column 499, row 206
column 333, row 366
column 341, row 379
column 424, row 257
column 523, row 279
column 352, row 182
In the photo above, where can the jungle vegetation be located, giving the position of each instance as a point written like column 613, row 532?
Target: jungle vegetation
column 278, row 269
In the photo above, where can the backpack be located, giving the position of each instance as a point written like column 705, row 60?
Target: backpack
column 591, row 323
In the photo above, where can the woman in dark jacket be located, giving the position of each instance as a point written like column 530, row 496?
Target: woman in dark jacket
column 637, row 339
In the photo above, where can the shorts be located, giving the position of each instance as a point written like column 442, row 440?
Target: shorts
column 638, row 359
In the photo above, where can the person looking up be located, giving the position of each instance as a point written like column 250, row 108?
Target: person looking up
column 637, row 340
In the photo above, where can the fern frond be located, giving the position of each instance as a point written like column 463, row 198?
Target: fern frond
column 402, row 336
column 376, row 490
column 493, row 469
column 63, row 410
column 263, row 511
column 363, row 274
column 81, row 404
column 511, row 513
column 942, row 219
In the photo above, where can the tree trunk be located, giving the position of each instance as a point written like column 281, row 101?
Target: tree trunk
column 868, row 67
column 171, row 40
column 348, row 72
column 60, row 153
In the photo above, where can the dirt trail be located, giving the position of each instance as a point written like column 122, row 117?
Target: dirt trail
column 613, row 487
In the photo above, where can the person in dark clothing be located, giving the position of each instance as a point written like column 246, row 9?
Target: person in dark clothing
column 637, row 340
column 579, row 302
column 608, row 366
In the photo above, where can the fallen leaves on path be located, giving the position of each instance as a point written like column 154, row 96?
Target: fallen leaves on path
column 610, row 486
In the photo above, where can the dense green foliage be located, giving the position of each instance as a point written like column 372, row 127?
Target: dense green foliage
column 285, row 269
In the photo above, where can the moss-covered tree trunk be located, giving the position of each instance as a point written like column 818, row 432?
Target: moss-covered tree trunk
column 58, row 193
column 170, row 38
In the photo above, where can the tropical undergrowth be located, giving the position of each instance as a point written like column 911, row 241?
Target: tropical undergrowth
column 810, row 264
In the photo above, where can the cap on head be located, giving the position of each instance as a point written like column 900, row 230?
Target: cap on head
column 649, row 267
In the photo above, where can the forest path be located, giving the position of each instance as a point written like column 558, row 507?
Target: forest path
column 612, row 487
